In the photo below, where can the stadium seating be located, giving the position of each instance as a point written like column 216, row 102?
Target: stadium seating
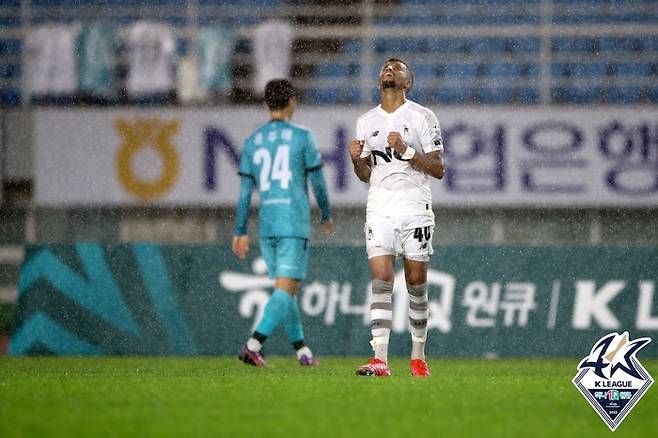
column 604, row 12
column 462, row 53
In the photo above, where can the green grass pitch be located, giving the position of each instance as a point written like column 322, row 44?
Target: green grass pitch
column 220, row 397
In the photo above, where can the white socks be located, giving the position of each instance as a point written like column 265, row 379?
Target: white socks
column 304, row 351
column 418, row 313
column 381, row 317
column 254, row 345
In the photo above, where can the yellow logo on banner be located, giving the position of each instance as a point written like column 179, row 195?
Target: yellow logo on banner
column 144, row 133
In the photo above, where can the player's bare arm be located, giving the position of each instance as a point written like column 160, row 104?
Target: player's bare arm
column 361, row 165
column 432, row 163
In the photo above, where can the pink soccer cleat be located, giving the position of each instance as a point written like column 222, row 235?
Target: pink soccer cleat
column 308, row 361
column 251, row 357
column 419, row 368
column 374, row 367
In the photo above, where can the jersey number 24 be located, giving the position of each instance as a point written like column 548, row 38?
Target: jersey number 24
column 279, row 170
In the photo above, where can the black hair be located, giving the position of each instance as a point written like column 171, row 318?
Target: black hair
column 411, row 72
column 278, row 93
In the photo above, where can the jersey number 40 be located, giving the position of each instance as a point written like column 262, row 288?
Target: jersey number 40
column 277, row 171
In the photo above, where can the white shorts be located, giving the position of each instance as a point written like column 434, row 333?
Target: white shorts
column 409, row 236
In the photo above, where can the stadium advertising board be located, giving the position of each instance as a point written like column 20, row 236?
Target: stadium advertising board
column 501, row 157
column 143, row 298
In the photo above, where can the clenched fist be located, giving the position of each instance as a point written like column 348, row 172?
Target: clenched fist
column 356, row 147
column 396, row 143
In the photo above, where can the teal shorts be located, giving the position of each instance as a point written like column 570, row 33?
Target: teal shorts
column 285, row 256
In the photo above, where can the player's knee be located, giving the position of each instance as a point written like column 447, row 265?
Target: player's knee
column 382, row 272
column 415, row 278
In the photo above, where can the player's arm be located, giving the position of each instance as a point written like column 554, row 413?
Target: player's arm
column 362, row 165
column 431, row 163
column 240, row 244
column 321, row 193
column 360, row 154
column 313, row 164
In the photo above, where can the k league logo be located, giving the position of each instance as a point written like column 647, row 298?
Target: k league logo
column 612, row 379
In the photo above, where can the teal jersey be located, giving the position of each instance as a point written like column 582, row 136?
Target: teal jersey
column 278, row 156
column 96, row 60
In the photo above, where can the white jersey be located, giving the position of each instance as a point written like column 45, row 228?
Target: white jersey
column 152, row 50
column 396, row 188
column 50, row 59
column 272, row 51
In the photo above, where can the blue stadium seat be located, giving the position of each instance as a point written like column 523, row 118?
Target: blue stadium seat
column 256, row 3
column 421, row 95
column 10, row 71
column 10, row 96
column 653, row 94
column 653, row 69
column 589, row 70
column 331, row 96
column 623, row 95
column 336, row 70
column 561, row 69
column 424, row 71
column 504, row 70
column 10, row 47
column 451, row 95
column 498, row 95
column 352, row 47
column 603, row 12
column 390, row 45
column 633, row 69
column 104, row 3
column 504, row 45
column 469, row 2
column 586, row 94
column 466, row 71
column 530, row 70
column 448, row 45
column 575, row 18
column 650, row 43
column 621, row 44
column 10, row 21
column 575, row 44
column 527, row 96
column 320, row 96
column 452, row 13
column 582, row 70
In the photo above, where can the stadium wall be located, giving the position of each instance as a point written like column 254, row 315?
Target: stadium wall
column 149, row 299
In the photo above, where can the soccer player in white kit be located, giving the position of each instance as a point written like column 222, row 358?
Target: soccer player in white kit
column 397, row 149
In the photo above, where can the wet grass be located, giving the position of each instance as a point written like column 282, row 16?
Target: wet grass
column 221, row 397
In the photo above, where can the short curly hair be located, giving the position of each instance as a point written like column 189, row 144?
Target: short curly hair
column 278, row 93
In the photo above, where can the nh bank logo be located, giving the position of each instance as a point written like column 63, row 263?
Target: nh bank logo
column 612, row 379
column 140, row 135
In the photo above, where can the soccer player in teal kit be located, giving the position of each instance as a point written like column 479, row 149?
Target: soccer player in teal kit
column 278, row 160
